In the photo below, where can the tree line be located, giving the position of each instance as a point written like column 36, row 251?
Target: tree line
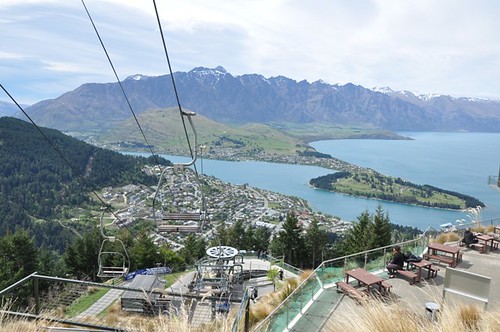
column 302, row 247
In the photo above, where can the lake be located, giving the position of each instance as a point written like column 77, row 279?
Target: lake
column 458, row 162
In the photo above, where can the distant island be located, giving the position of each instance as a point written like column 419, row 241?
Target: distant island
column 372, row 184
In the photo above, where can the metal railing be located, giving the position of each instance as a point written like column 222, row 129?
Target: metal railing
column 280, row 261
column 242, row 320
column 88, row 304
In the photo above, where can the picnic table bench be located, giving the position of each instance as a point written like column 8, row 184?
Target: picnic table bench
column 445, row 259
column 488, row 239
column 410, row 275
column 349, row 290
column 386, row 286
column 480, row 246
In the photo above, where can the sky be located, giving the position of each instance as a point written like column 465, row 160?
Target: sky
column 452, row 47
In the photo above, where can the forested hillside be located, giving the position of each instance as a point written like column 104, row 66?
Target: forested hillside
column 37, row 186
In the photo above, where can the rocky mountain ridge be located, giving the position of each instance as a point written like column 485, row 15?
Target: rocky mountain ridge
column 252, row 98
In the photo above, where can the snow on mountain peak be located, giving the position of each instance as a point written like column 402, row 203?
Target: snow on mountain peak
column 136, row 77
column 217, row 71
column 385, row 90
column 406, row 93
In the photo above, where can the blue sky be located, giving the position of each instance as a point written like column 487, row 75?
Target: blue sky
column 452, row 47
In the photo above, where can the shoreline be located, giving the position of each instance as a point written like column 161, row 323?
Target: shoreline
column 332, row 164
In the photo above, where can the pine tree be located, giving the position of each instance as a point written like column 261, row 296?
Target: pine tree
column 315, row 240
column 359, row 238
column 290, row 241
column 194, row 249
column 144, row 253
column 221, row 236
column 381, row 229
column 262, row 236
column 248, row 241
column 236, row 234
column 18, row 257
column 81, row 257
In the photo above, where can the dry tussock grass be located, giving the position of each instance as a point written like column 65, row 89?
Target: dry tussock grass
column 373, row 316
column 269, row 302
column 132, row 322
column 452, row 237
column 377, row 316
column 479, row 229
column 447, row 237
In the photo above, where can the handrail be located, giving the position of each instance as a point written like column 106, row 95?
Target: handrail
column 16, row 284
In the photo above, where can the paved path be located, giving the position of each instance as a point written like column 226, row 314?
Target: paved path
column 100, row 305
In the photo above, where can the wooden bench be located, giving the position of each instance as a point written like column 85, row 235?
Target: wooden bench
column 350, row 290
column 480, row 246
column 445, row 259
column 410, row 275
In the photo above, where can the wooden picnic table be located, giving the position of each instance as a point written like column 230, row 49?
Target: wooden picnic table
column 423, row 264
column 438, row 251
column 364, row 277
column 487, row 238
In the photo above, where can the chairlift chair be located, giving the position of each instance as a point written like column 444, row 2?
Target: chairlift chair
column 105, row 256
column 174, row 221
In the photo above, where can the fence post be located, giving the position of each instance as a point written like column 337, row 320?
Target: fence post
column 247, row 315
column 287, row 314
column 36, row 293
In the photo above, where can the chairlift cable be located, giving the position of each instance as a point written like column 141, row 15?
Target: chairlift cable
column 120, row 84
column 182, row 113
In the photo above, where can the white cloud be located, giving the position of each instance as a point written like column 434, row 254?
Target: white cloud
column 10, row 56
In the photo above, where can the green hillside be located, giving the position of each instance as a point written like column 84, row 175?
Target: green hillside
column 37, row 186
column 316, row 131
column 164, row 131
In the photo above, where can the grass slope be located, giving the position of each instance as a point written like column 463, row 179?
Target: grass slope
column 164, row 130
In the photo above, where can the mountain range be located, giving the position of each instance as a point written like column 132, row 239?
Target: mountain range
column 252, row 98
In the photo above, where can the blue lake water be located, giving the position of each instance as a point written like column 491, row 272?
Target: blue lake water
column 458, row 162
